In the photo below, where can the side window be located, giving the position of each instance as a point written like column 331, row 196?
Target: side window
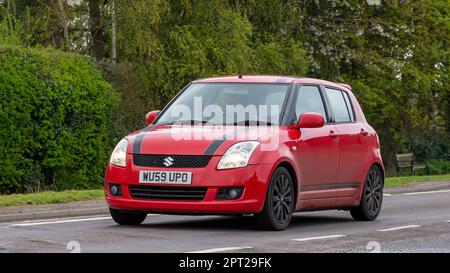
column 309, row 100
column 338, row 105
column 349, row 106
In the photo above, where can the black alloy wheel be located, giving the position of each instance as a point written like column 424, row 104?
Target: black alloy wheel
column 280, row 202
column 372, row 197
column 282, row 199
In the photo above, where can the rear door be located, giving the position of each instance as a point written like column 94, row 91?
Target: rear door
column 354, row 141
column 318, row 148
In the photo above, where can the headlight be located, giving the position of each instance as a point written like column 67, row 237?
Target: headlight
column 238, row 155
column 119, row 155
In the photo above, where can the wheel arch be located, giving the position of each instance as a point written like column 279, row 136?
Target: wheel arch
column 381, row 168
column 374, row 162
column 290, row 168
column 379, row 165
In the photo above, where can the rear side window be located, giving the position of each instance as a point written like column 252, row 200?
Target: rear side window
column 341, row 109
column 309, row 100
column 349, row 106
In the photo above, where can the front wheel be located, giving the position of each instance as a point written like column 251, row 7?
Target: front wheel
column 371, row 198
column 127, row 218
column 279, row 203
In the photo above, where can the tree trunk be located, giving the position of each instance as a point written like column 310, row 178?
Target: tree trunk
column 9, row 5
column 64, row 24
column 113, row 33
column 96, row 29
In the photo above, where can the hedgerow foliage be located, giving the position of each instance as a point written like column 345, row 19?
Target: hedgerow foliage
column 55, row 116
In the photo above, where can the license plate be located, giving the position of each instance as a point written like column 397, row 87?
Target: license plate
column 162, row 177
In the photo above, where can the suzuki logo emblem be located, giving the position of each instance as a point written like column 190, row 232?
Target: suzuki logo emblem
column 168, row 161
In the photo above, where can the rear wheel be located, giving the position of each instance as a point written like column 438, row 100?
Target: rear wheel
column 279, row 203
column 372, row 197
column 127, row 218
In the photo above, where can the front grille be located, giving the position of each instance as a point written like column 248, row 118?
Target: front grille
column 171, row 161
column 167, row 193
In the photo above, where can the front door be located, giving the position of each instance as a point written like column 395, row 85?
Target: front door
column 318, row 148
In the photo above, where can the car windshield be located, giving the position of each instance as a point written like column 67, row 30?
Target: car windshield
column 243, row 104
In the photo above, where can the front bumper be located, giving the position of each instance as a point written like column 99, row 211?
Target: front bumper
column 253, row 179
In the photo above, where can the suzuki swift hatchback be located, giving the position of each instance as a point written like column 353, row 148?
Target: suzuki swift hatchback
column 263, row 145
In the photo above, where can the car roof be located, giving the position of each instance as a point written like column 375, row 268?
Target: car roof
column 271, row 79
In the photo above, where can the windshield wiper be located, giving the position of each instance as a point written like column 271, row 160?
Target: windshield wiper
column 253, row 122
column 189, row 122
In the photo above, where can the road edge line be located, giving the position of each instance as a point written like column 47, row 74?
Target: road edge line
column 319, row 238
column 399, row 228
column 221, row 249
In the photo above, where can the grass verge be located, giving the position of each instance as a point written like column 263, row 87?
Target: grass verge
column 50, row 197
column 405, row 180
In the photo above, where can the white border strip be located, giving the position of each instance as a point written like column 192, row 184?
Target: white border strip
column 319, row 238
column 59, row 222
column 424, row 192
column 222, row 249
column 399, row 228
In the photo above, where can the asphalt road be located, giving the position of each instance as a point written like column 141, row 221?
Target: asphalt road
column 418, row 222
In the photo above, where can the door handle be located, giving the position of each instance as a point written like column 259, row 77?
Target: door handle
column 364, row 132
column 333, row 134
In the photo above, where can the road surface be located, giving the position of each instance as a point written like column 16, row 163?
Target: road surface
column 414, row 222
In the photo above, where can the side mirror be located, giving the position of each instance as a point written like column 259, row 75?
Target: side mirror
column 310, row 120
column 151, row 116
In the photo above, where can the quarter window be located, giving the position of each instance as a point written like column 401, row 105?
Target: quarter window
column 349, row 106
column 338, row 105
column 309, row 100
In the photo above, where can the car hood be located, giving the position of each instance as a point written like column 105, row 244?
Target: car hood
column 192, row 140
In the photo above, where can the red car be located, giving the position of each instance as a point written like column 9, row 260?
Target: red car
column 263, row 145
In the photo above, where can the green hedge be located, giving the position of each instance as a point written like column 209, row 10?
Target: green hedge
column 55, row 120
column 428, row 146
column 437, row 167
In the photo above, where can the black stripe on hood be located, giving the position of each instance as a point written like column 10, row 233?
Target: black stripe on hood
column 212, row 148
column 138, row 139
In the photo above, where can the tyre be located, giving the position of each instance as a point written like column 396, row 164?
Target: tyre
column 127, row 218
column 371, row 198
column 279, row 203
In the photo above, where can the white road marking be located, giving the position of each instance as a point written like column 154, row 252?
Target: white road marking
column 448, row 221
column 399, row 228
column 387, row 194
column 424, row 192
column 27, row 224
column 319, row 238
column 222, row 249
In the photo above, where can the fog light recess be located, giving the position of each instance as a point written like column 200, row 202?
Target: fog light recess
column 115, row 189
column 229, row 193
